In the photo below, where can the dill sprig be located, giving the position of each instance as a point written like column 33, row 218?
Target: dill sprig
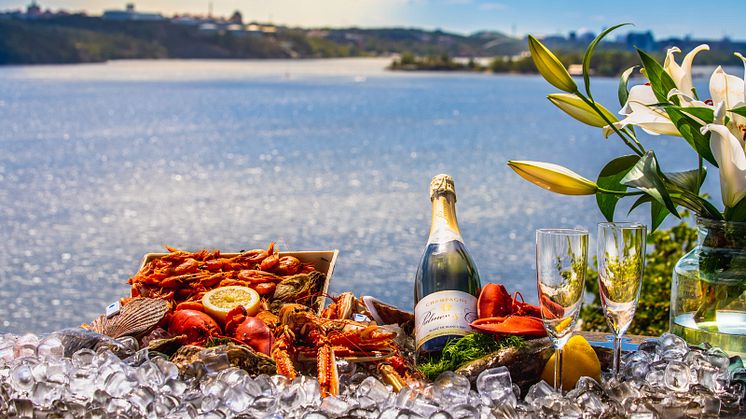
column 457, row 352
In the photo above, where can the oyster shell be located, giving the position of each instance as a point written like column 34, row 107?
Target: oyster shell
column 383, row 313
column 136, row 318
column 299, row 289
column 75, row 339
column 525, row 364
column 240, row 356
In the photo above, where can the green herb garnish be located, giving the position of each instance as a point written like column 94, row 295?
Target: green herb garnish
column 458, row 352
column 217, row 342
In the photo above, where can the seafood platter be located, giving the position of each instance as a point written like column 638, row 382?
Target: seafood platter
column 257, row 334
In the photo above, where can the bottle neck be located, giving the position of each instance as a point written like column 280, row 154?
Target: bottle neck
column 444, row 226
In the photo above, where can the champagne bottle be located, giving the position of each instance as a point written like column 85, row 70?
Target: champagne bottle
column 447, row 282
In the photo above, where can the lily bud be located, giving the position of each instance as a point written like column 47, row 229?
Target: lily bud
column 550, row 67
column 553, row 177
column 576, row 108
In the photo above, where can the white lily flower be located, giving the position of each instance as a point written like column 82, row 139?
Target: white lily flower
column 728, row 151
column 640, row 110
column 731, row 91
column 651, row 119
column 682, row 75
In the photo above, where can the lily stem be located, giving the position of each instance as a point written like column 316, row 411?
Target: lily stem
column 621, row 193
column 638, row 149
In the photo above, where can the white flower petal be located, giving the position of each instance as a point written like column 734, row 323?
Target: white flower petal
column 729, row 154
column 685, row 82
column 639, row 95
column 726, row 88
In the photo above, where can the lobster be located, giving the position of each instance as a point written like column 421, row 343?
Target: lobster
column 500, row 313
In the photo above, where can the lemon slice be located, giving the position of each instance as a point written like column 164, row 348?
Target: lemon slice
column 220, row 301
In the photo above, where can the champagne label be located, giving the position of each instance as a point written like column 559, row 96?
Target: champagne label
column 444, row 313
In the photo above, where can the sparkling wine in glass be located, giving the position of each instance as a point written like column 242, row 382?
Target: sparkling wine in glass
column 561, row 261
column 621, row 261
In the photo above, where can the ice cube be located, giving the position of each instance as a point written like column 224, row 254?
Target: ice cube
column 22, row 376
column 237, row 400
column 677, row 376
column 390, row 413
column 712, row 378
column 150, row 375
column 82, row 383
column 163, row 405
column 451, row 388
column 265, row 384
column 373, row 388
column 214, row 361
column 141, row 397
column 495, row 384
column 540, row 390
column 333, row 406
column 311, row 390
column 117, row 384
column 83, row 358
column 292, row 397
column 26, row 345
column 363, row 413
column 263, row 406
column 718, row 358
column 232, row 376
column 168, row 369
column 50, row 347
column 174, row 387
column 463, row 411
column 43, row 393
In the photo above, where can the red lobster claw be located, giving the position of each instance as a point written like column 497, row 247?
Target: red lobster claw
column 511, row 325
column 494, row 301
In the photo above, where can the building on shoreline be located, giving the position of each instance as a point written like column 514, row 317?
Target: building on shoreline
column 129, row 13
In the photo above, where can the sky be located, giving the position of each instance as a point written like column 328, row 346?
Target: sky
column 665, row 18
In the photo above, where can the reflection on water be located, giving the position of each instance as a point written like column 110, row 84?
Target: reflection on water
column 102, row 163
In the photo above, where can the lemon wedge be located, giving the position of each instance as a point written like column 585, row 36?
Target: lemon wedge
column 220, row 301
column 578, row 360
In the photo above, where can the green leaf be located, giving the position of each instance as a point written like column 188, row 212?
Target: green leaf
column 707, row 115
column 741, row 110
column 660, row 81
column 647, row 177
column 737, row 213
column 610, row 178
column 589, row 53
column 623, row 83
column 658, row 212
column 689, row 129
column 688, row 181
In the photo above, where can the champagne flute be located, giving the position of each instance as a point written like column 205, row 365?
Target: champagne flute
column 621, row 261
column 561, row 262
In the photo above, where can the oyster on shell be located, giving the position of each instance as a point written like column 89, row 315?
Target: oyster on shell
column 240, row 356
column 299, row 289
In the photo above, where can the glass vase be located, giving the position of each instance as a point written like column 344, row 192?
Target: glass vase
column 708, row 291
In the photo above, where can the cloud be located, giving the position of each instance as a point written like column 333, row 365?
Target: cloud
column 492, row 6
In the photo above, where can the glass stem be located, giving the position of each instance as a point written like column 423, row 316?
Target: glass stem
column 617, row 354
column 558, row 369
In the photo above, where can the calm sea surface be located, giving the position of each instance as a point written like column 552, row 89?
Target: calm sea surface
column 102, row 163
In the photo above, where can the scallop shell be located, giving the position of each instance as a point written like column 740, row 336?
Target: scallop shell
column 135, row 318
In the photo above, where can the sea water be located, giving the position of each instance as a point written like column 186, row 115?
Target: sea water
column 102, row 163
